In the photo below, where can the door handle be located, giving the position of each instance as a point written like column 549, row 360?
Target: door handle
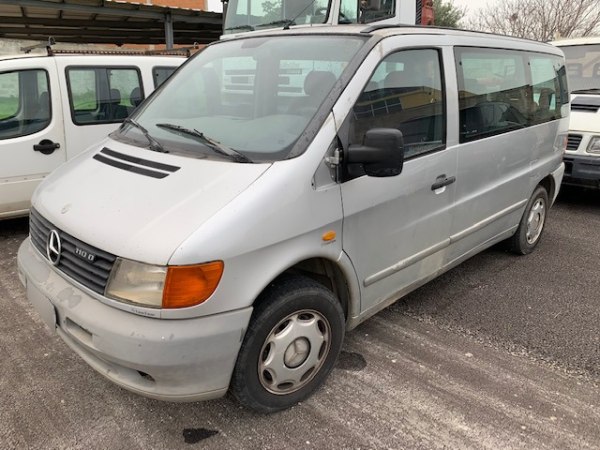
column 442, row 181
column 46, row 147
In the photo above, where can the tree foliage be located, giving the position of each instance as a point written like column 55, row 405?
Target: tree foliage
column 446, row 14
column 542, row 20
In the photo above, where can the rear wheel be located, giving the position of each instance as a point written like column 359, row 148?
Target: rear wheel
column 291, row 345
column 532, row 223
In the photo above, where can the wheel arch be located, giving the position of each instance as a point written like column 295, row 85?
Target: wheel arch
column 549, row 184
column 330, row 274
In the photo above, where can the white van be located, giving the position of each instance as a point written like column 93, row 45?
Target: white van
column 582, row 159
column 228, row 238
column 54, row 107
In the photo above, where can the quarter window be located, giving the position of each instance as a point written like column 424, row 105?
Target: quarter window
column 103, row 94
column 405, row 92
column 24, row 103
column 160, row 74
column 546, row 88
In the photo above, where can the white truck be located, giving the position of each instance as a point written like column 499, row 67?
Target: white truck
column 254, row 15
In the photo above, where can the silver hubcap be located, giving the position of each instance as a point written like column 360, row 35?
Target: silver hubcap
column 535, row 221
column 294, row 351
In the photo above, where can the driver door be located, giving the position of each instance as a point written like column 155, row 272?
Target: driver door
column 396, row 229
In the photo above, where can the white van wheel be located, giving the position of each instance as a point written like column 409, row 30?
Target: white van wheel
column 291, row 345
column 532, row 223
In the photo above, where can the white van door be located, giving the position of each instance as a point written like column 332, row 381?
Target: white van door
column 396, row 228
column 31, row 130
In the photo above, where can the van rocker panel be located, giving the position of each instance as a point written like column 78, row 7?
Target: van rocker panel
column 175, row 360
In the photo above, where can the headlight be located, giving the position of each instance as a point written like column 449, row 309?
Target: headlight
column 163, row 287
column 594, row 146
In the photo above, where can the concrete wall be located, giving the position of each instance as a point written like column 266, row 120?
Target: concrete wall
column 13, row 47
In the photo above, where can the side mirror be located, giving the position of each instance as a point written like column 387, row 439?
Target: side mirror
column 382, row 152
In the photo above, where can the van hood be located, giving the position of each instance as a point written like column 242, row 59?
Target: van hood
column 139, row 204
column 585, row 113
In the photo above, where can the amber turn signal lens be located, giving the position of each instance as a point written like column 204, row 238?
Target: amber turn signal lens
column 328, row 236
column 191, row 285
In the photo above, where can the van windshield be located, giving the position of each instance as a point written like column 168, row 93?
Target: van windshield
column 583, row 67
column 243, row 100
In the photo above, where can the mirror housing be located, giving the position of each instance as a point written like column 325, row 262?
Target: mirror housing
column 381, row 154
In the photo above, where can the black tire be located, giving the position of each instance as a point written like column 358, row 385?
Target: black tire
column 524, row 241
column 290, row 303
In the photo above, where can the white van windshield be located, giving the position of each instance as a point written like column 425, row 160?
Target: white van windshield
column 251, row 97
column 583, row 67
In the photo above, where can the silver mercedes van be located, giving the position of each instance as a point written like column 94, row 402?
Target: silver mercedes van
column 280, row 189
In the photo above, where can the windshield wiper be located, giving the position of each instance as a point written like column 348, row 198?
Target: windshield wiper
column 210, row 143
column 277, row 23
column 155, row 146
column 585, row 91
column 241, row 27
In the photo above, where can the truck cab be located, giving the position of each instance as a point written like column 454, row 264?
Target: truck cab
column 254, row 15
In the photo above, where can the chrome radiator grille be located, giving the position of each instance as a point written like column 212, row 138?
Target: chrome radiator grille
column 85, row 264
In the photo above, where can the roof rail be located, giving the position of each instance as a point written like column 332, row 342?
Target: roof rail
column 181, row 51
column 48, row 45
column 383, row 26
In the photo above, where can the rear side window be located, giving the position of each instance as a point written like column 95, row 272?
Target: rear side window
column 24, row 103
column 504, row 90
column 103, row 94
column 548, row 97
column 160, row 74
column 405, row 92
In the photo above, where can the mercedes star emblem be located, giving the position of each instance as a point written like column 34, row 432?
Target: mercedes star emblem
column 53, row 247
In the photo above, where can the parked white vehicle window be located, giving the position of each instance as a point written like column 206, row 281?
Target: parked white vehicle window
column 24, row 103
column 103, row 94
column 583, row 67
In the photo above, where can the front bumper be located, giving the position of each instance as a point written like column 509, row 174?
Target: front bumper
column 175, row 360
column 582, row 170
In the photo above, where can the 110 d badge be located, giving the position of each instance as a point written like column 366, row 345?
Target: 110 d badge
column 83, row 254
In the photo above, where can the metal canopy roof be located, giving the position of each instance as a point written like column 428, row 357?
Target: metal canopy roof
column 107, row 22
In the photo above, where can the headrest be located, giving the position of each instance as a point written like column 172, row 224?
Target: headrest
column 318, row 81
column 115, row 96
column 44, row 100
column 136, row 96
column 394, row 79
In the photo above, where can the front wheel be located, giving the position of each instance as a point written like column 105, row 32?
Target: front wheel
column 532, row 223
column 291, row 345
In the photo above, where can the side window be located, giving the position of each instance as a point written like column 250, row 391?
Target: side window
column 103, row 94
column 405, row 92
column 546, row 88
column 24, row 103
column 373, row 10
column 160, row 74
column 349, row 11
column 82, row 87
column 494, row 94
